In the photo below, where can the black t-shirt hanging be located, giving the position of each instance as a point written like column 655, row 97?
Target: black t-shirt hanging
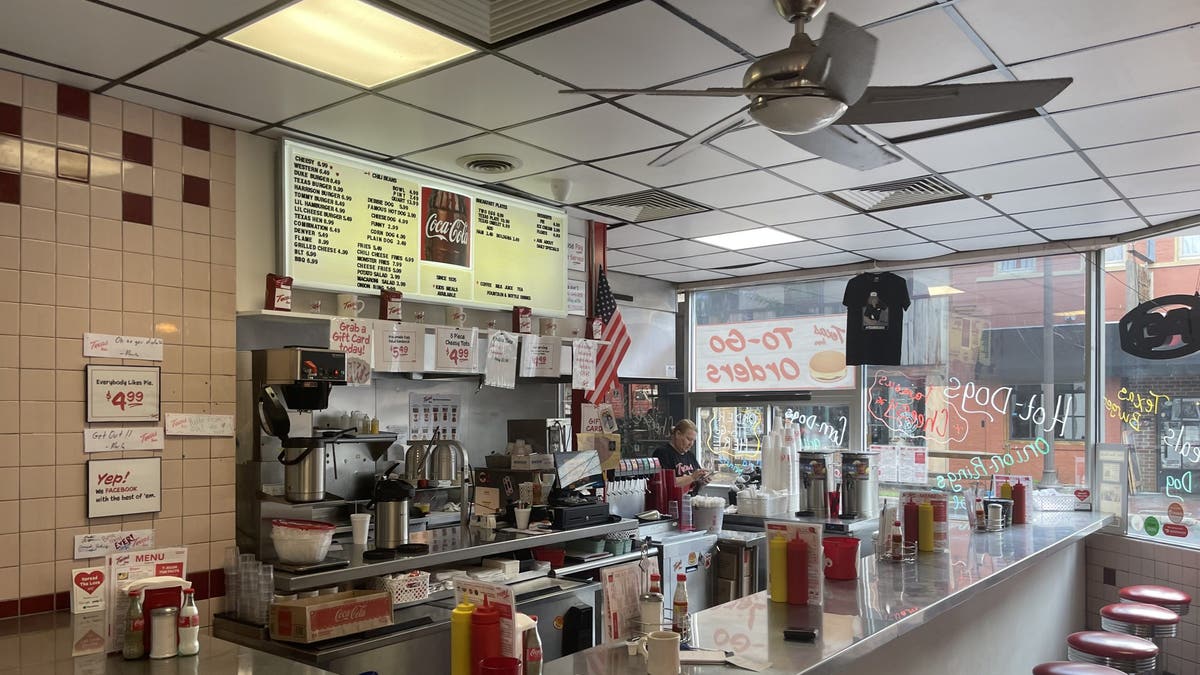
column 875, row 304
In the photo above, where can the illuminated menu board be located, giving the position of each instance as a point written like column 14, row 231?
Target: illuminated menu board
column 355, row 225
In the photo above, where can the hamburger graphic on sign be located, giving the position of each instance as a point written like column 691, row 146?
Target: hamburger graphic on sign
column 445, row 227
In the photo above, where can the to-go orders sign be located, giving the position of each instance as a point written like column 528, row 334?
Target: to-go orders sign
column 118, row 487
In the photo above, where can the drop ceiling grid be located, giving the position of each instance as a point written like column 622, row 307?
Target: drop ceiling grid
column 1166, row 28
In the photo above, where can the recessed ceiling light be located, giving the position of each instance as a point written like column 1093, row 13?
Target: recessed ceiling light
column 349, row 39
column 763, row 236
column 935, row 291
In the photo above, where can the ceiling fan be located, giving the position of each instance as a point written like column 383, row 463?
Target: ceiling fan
column 811, row 92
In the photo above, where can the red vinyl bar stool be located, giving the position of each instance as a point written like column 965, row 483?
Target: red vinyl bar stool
column 1163, row 596
column 1126, row 653
column 1068, row 668
column 1146, row 621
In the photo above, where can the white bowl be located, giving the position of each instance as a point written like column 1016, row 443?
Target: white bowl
column 301, row 542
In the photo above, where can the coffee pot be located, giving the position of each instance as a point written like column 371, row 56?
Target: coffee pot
column 391, row 500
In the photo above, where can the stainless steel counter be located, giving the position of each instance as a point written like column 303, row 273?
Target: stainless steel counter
column 860, row 527
column 887, row 601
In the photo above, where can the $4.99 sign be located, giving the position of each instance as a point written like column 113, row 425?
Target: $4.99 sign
column 123, row 393
column 456, row 349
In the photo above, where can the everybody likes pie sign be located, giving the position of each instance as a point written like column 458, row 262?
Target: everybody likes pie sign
column 1162, row 328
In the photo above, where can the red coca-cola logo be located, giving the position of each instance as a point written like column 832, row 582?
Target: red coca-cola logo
column 447, row 234
column 454, row 232
column 533, row 654
column 350, row 613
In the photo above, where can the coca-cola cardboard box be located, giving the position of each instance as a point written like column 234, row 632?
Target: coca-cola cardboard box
column 446, row 227
column 329, row 616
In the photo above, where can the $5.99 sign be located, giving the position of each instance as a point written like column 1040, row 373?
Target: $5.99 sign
column 456, row 349
column 123, row 393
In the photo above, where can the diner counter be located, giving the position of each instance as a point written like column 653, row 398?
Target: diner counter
column 888, row 600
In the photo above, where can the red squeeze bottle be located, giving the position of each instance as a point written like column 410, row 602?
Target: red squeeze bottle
column 485, row 635
column 1019, row 505
column 910, row 522
column 797, row 572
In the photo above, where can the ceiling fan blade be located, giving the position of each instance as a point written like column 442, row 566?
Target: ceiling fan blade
column 705, row 135
column 711, row 91
column 843, row 145
column 844, row 59
column 880, row 105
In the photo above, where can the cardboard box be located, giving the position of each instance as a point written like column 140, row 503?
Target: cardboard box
column 329, row 616
column 533, row 462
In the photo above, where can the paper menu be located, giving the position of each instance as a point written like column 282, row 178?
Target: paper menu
column 811, row 535
column 498, row 596
column 622, row 587
column 127, row 567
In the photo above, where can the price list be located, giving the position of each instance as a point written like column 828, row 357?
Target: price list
column 387, row 257
column 516, row 233
column 319, row 203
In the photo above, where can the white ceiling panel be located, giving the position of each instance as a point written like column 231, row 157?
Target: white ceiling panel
column 196, row 112
column 51, row 73
column 383, row 125
column 969, row 228
column 1158, row 182
column 739, row 189
column 1094, row 229
column 1160, row 153
column 679, row 248
column 1022, row 238
column 825, row 260
column 874, row 240
column 85, row 36
column 624, row 236
column 1192, row 218
column 701, row 224
column 638, row 46
column 799, row 249
column 1147, row 65
column 587, row 184
column 532, row 159
column 1173, row 203
column 1134, row 120
column 699, row 164
column 1053, row 197
column 653, row 267
column 691, row 275
column 1026, row 173
column 768, row 267
column 202, row 17
column 718, row 260
column 1023, row 30
column 823, row 175
column 941, row 212
column 836, row 227
column 760, row 146
column 598, row 131
column 242, row 83
column 922, row 48
column 812, row 207
column 910, row 252
column 989, row 145
column 488, row 91
column 280, row 132
column 617, row 258
column 690, row 114
column 1075, row 215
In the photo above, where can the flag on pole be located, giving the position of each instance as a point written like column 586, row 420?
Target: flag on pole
column 609, row 357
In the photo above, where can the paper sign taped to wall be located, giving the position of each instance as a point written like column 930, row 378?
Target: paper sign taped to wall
column 122, row 347
column 196, row 424
column 103, row 543
column 122, row 439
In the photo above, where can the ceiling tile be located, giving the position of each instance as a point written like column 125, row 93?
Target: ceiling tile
column 1093, row 229
column 61, row 75
column 989, row 145
column 488, row 91
column 1134, row 120
column 85, row 36
column 941, row 212
column 823, row 175
column 1173, row 203
column 624, row 236
column 196, row 112
column 1022, row 30
column 827, row 260
column 1074, row 215
column 638, row 46
column 836, row 227
column 653, row 267
column 616, row 258
column 923, row 48
column 768, row 267
column 598, row 131
column 760, row 146
column 280, row 132
column 873, row 240
column 202, row 17
column 1160, row 153
column 794, row 210
column 701, row 224
column 381, row 125
column 698, row 164
column 1025, row 173
column 1193, row 218
column 799, row 249
column 587, row 184
column 1053, row 197
column 1147, row 65
column 680, row 248
column 691, row 275
column 242, row 83
column 739, row 189
column 1022, row 238
column 532, row 159
column 968, row 228
column 910, row 252
column 690, row 114
column 719, row 260
column 1158, row 182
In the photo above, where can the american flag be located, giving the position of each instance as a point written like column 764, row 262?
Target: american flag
column 609, row 356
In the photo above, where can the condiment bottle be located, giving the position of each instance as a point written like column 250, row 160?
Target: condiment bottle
column 460, row 639
column 651, row 606
column 777, row 581
column 897, row 540
column 980, row 519
column 135, row 628
column 374, row 425
column 925, row 527
column 1006, row 490
column 797, row 572
column 485, row 635
column 1020, row 512
column 533, row 649
column 680, row 621
column 911, row 525
column 189, row 624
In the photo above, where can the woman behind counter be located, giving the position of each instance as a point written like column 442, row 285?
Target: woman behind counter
column 678, row 456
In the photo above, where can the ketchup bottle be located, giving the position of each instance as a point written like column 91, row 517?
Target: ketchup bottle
column 485, row 635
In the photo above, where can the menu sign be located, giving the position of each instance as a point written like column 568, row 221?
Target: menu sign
column 355, row 225
column 793, row 353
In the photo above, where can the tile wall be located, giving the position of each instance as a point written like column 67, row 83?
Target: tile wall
column 1115, row 562
column 114, row 218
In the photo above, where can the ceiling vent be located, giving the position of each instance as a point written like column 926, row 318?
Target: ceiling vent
column 493, row 21
column 489, row 164
column 644, row 206
column 899, row 193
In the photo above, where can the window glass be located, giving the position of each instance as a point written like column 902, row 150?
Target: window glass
column 1188, row 246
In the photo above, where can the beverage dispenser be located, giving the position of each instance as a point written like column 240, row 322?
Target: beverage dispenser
column 814, row 482
column 860, row 484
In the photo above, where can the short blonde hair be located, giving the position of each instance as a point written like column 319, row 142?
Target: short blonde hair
column 683, row 426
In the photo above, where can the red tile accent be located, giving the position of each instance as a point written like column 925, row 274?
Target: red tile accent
column 216, row 583
column 73, row 165
column 195, row 134
column 37, row 604
column 137, row 148
column 10, row 119
column 10, row 187
column 199, row 584
column 195, row 190
column 62, row 600
column 74, row 102
column 10, row 608
column 137, row 208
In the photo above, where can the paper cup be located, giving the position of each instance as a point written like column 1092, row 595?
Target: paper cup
column 522, row 516
column 360, row 524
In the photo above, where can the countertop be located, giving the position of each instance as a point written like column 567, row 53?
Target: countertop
column 43, row 643
column 887, row 601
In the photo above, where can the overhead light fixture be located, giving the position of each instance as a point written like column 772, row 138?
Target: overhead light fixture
column 935, row 291
column 351, row 40
column 763, row 236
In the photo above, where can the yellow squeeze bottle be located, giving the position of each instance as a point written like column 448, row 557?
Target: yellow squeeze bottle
column 1006, row 490
column 460, row 639
column 777, row 569
column 925, row 527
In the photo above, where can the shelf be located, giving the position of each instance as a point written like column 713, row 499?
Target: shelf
column 306, row 317
column 365, row 438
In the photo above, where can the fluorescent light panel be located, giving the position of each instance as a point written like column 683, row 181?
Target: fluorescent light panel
column 348, row 39
column 763, row 236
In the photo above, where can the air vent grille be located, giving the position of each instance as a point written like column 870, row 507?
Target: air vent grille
column 490, row 164
column 899, row 193
column 492, row 21
column 640, row 207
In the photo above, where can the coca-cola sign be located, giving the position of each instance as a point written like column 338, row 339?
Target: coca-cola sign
column 350, row 613
column 446, row 229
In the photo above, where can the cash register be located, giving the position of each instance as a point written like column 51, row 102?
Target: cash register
column 573, row 502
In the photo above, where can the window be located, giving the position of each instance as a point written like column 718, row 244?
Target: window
column 1019, row 266
column 1114, row 256
column 1030, row 418
column 1189, row 246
